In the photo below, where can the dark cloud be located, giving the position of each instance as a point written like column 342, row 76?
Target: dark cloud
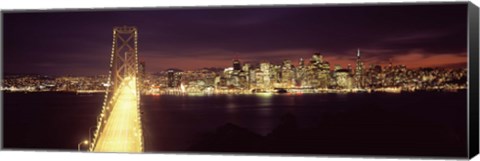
column 79, row 42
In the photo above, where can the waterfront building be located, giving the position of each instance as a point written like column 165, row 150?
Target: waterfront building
column 300, row 73
column 343, row 79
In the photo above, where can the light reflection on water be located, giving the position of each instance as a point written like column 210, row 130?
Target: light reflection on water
column 172, row 122
column 265, row 99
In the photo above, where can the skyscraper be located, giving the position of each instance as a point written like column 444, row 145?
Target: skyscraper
column 142, row 76
column 170, row 78
column 318, row 73
column 301, row 63
column 236, row 65
column 141, row 68
column 359, row 71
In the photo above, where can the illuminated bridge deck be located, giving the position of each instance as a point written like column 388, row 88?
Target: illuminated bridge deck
column 122, row 131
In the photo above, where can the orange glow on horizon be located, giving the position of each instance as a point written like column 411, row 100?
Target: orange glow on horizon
column 222, row 60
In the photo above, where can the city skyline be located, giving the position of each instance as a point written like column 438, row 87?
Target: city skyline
column 76, row 43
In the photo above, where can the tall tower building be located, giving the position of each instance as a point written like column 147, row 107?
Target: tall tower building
column 300, row 72
column 170, row 78
column 359, row 71
column 236, row 65
column 141, row 68
column 141, row 75
column 301, row 63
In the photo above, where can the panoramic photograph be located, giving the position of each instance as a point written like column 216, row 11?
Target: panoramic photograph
column 387, row 80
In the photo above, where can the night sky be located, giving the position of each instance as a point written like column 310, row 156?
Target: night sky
column 79, row 42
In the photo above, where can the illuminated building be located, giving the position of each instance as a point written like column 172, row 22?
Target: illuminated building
column 246, row 67
column 236, row 65
column 246, row 75
column 337, row 67
column 318, row 73
column 170, row 78
column 174, row 78
column 287, row 74
column 300, row 73
column 141, row 76
column 343, row 79
column 359, row 71
column 263, row 76
column 141, row 68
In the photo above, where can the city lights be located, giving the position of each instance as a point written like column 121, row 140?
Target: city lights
column 317, row 76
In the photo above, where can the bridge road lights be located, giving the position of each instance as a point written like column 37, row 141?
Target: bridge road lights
column 83, row 142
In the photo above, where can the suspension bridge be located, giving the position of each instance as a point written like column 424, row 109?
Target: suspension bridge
column 119, row 127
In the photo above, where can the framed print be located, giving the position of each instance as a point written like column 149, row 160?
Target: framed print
column 395, row 80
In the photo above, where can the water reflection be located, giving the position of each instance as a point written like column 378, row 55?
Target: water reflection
column 231, row 107
column 264, row 99
column 169, row 127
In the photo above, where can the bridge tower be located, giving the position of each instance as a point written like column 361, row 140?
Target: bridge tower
column 122, row 86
